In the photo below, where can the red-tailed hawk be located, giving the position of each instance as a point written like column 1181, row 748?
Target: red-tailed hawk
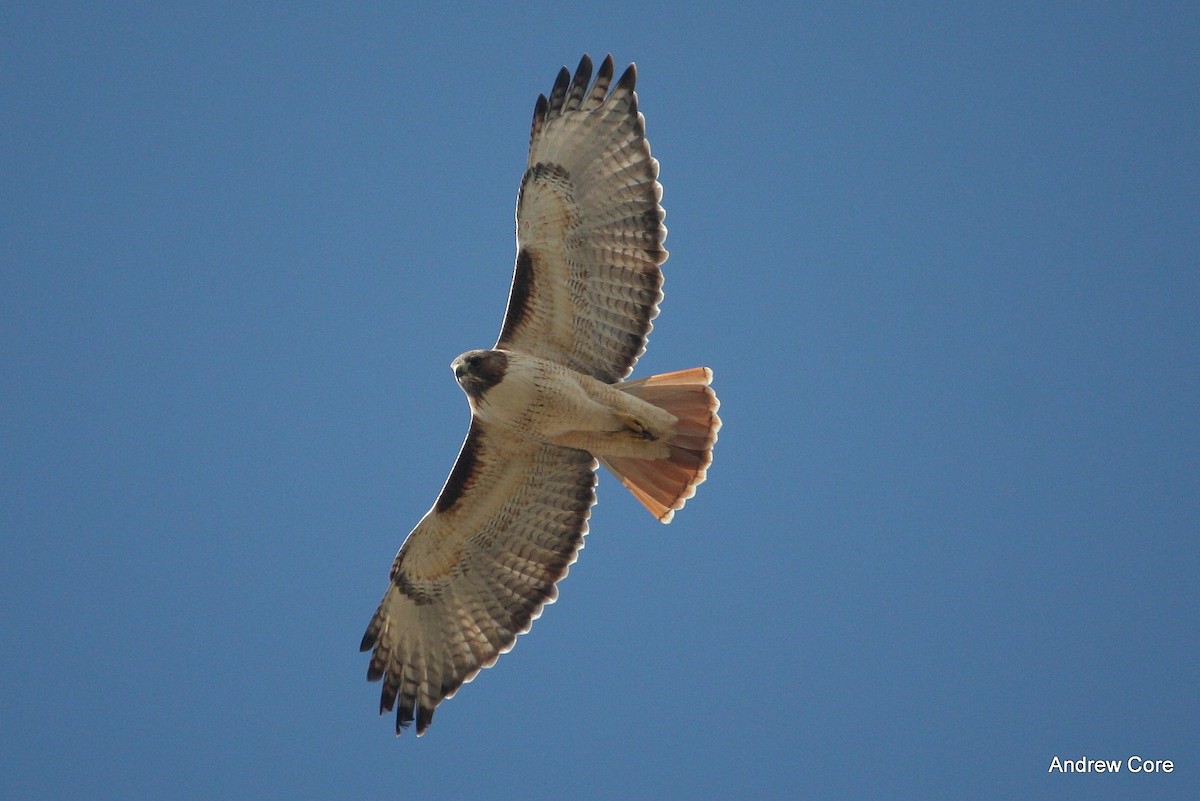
column 547, row 402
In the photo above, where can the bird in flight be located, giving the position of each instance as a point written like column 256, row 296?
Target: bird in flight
column 549, row 404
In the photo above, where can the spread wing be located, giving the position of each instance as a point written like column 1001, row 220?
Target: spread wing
column 478, row 568
column 589, row 229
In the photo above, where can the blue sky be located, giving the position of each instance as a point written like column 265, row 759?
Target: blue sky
column 945, row 264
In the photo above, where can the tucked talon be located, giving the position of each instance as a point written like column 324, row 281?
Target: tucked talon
column 639, row 428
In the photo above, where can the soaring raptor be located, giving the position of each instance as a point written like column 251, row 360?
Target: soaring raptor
column 549, row 403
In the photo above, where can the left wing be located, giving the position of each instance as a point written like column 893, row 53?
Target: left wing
column 478, row 568
column 590, row 229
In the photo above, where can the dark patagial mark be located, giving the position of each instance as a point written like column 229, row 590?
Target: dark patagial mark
column 518, row 296
column 463, row 473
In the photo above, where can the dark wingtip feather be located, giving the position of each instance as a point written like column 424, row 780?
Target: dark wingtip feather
column 404, row 715
column 583, row 73
column 539, row 117
column 579, row 84
column 625, row 90
column 559, row 91
column 424, row 718
column 600, row 88
column 369, row 638
column 628, row 79
column 387, row 698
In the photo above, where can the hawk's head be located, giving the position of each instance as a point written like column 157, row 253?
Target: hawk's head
column 477, row 371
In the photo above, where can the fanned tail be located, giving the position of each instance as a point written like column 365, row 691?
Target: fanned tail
column 664, row 485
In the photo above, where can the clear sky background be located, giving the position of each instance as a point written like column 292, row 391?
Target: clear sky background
column 944, row 261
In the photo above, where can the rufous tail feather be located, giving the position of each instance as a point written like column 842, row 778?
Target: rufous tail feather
column 664, row 485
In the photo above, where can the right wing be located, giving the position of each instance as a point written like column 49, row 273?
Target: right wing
column 478, row 568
